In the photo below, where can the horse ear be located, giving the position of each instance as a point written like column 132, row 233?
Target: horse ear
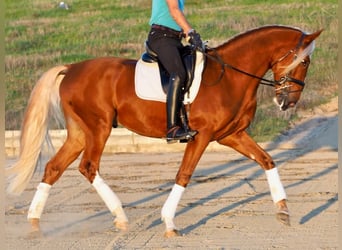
column 310, row 37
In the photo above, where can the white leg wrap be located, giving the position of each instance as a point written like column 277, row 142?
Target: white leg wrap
column 110, row 198
column 39, row 201
column 169, row 209
column 277, row 189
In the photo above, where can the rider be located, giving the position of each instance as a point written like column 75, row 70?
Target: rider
column 168, row 26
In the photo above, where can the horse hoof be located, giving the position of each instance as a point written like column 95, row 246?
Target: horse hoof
column 172, row 233
column 284, row 218
column 35, row 227
column 34, row 235
column 35, row 231
column 122, row 225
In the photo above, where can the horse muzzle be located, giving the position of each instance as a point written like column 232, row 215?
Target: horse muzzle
column 284, row 103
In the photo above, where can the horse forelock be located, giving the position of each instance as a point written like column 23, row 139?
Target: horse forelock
column 299, row 58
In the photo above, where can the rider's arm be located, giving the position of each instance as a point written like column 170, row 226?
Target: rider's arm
column 178, row 15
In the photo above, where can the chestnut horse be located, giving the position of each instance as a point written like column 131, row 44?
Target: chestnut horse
column 97, row 93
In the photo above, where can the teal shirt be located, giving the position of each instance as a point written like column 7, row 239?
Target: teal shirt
column 161, row 15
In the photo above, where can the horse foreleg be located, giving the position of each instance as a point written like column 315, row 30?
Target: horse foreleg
column 53, row 170
column 245, row 145
column 192, row 155
column 169, row 210
column 278, row 195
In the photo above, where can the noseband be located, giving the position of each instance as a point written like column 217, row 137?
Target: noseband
column 281, row 83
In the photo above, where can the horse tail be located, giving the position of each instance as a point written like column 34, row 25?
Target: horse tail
column 43, row 103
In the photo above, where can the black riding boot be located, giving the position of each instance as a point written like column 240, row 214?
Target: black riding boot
column 173, row 106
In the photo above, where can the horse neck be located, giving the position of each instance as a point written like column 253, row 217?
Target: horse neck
column 253, row 51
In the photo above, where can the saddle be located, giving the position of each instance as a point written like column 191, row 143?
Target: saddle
column 189, row 58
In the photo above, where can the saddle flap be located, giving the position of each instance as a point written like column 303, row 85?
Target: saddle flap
column 148, row 85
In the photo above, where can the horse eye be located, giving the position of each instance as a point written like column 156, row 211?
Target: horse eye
column 305, row 63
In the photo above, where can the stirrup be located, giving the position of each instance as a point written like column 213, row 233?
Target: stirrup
column 190, row 136
column 186, row 136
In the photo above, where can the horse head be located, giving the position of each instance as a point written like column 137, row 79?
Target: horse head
column 290, row 71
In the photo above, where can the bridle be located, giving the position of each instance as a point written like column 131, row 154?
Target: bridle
column 280, row 84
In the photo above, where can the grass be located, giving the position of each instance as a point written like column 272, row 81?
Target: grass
column 39, row 35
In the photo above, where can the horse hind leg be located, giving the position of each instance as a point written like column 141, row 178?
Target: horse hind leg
column 89, row 167
column 112, row 202
column 70, row 150
column 245, row 145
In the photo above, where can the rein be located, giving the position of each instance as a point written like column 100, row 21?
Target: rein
column 224, row 65
column 263, row 81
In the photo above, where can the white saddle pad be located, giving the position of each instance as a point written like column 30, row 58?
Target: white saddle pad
column 148, row 84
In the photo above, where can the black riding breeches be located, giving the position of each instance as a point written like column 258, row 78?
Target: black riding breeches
column 168, row 48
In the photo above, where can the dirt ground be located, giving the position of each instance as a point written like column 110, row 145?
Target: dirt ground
column 226, row 206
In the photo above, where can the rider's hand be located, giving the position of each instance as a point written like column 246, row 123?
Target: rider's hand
column 195, row 40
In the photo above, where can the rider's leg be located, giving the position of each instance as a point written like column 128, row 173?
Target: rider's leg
column 168, row 50
column 173, row 108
